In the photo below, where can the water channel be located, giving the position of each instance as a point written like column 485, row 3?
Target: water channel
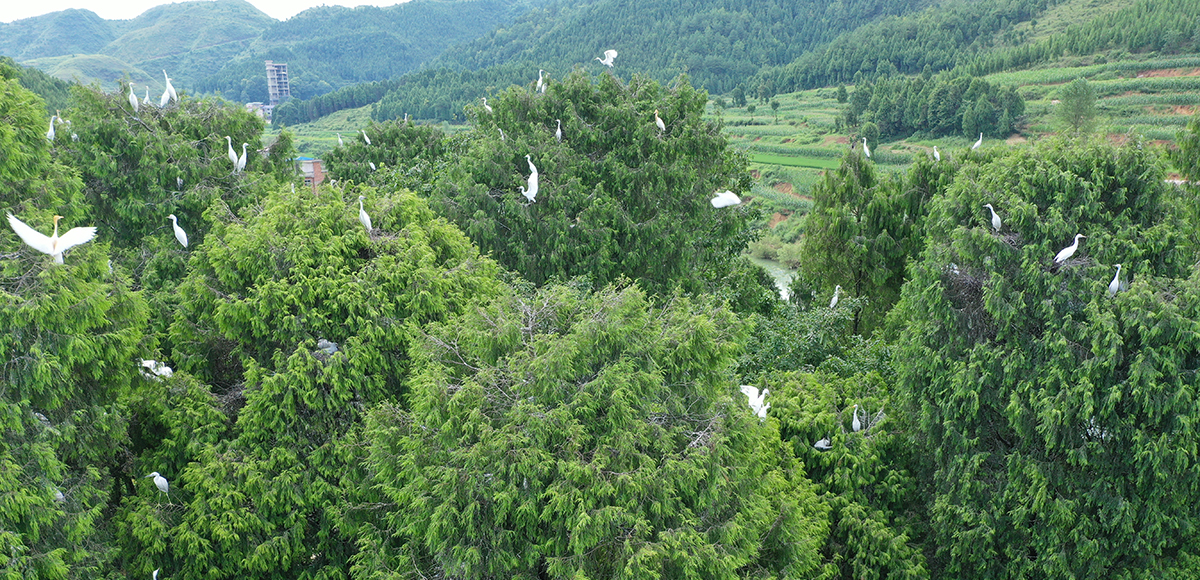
column 782, row 275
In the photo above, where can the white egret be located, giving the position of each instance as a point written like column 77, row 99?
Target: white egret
column 152, row 369
column 241, row 162
column 531, row 193
column 133, row 102
column 368, row 139
column 558, row 132
column 161, row 483
column 146, row 98
column 609, row 55
column 59, row 497
column 996, row 223
column 53, row 245
column 866, row 150
column 233, row 158
column 50, row 131
column 836, row 290
column 154, row 576
column 541, row 85
column 856, row 424
column 486, row 106
column 502, row 138
column 179, row 182
column 1068, row 251
column 340, row 142
column 659, row 122
column 757, row 400
column 823, row 445
column 372, row 164
column 978, row 143
column 1115, row 285
column 532, row 168
column 170, row 88
column 180, row 235
column 166, row 98
column 936, row 156
column 725, row 199
column 328, row 346
column 362, row 215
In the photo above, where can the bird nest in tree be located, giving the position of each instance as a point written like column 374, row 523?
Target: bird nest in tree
column 964, row 289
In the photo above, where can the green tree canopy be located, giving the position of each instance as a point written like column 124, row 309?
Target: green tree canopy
column 1076, row 111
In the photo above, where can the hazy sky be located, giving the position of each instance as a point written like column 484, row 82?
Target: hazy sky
column 125, row 9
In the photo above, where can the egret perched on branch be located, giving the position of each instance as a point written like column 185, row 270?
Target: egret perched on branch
column 856, row 424
column 146, row 98
column 161, row 483
column 541, row 85
column 757, row 400
column 1068, row 251
column 486, row 106
column 866, row 150
column 502, row 138
column 180, row 235
column 995, row 218
column 152, row 369
column 936, row 156
column 362, row 215
column 836, row 290
column 368, row 139
column 50, row 131
column 978, row 143
column 170, row 88
column 659, row 122
column 340, row 142
column 233, row 158
column 725, row 199
column 154, row 576
column 531, row 193
column 558, row 132
column 823, row 445
column 372, row 164
column 241, row 162
column 133, row 102
column 166, row 98
column 609, row 55
column 53, row 245
column 1115, row 285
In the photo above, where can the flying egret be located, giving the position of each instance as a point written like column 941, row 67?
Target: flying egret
column 50, row 131
column 1068, row 251
column 1115, row 285
column 936, row 156
column 53, row 245
column 856, row 424
column 659, row 122
column 978, row 143
column 368, row 139
column 757, row 400
column 170, row 88
column 866, row 150
column 558, row 132
column 161, row 483
column 362, row 215
column 241, row 162
column 836, row 290
column 995, row 218
column 823, row 445
column 340, row 142
column 146, row 98
column 541, row 85
column 609, row 55
column 179, row 233
column 233, row 158
column 133, row 102
column 725, row 199
column 486, row 106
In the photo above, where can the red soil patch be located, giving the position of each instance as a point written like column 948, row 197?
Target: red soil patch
column 776, row 218
column 1184, row 109
column 835, row 139
column 784, row 188
column 1170, row 72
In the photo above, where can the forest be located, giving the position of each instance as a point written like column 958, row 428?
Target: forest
column 989, row 366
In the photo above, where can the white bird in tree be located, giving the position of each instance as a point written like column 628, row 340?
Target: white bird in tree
column 978, row 143
column 1115, row 285
column 362, row 215
column 856, row 424
column 609, row 55
column 936, row 156
column 180, row 235
column 836, row 290
column 340, row 142
column 133, row 102
column 233, row 158
column 50, row 131
column 502, row 138
column 823, row 445
column 866, row 150
column 154, row 576
column 152, row 369
column 757, row 400
column 241, row 162
column 161, row 483
column 146, row 98
column 558, row 132
column 725, row 199
column 372, row 164
column 166, row 98
column 532, row 168
column 996, row 223
column 1068, row 251
column 368, row 139
column 53, row 245
column 659, row 122
column 531, row 193
column 170, row 88
column 486, row 106
column 541, row 85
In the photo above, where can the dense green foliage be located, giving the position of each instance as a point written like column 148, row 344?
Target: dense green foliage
column 1077, row 107
column 944, row 104
column 56, row 93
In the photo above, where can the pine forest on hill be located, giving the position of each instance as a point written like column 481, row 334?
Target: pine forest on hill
column 526, row 339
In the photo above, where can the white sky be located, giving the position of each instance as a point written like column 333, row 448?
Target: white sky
column 11, row 10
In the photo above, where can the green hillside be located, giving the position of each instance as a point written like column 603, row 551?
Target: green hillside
column 55, row 34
